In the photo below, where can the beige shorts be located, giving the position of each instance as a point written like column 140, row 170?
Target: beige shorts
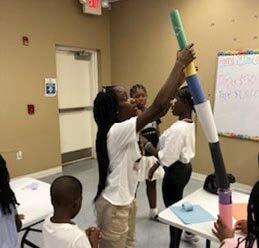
column 117, row 224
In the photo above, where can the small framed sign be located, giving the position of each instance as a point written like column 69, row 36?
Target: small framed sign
column 50, row 87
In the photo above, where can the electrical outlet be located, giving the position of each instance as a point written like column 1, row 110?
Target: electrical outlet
column 19, row 155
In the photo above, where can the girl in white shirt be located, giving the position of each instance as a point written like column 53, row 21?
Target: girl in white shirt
column 251, row 238
column 117, row 151
column 151, row 133
column 175, row 151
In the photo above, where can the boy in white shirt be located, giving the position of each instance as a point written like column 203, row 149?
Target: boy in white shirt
column 59, row 230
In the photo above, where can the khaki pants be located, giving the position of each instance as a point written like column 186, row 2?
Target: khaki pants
column 117, row 224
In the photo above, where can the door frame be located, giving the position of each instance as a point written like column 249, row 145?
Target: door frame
column 94, row 86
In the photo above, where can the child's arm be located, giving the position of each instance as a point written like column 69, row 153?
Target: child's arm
column 18, row 221
column 152, row 170
column 161, row 104
column 149, row 147
column 153, row 151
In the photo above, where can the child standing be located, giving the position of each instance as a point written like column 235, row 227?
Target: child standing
column 10, row 222
column 117, row 151
column 151, row 132
column 59, row 230
column 176, row 150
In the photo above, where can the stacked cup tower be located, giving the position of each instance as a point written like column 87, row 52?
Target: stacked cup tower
column 205, row 115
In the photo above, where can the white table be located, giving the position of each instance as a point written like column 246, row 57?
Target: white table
column 34, row 198
column 207, row 201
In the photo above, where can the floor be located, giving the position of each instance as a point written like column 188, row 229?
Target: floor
column 150, row 234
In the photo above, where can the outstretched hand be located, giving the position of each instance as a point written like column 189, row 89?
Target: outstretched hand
column 186, row 56
column 222, row 231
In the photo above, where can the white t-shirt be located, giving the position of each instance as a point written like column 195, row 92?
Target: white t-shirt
column 177, row 143
column 63, row 235
column 123, row 151
column 8, row 230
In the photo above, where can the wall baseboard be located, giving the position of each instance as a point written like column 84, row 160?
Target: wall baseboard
column 44, row 173
column 198, row 177
column 76, row 155
column 244, row 188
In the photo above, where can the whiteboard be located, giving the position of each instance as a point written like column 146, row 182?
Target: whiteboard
column 236, row 108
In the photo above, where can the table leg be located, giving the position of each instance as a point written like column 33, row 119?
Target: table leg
column 24, row 240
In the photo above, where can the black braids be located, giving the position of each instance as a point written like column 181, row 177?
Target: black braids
column 7, row 196
column 135, row 87
column 105, row 115
column 252, row 219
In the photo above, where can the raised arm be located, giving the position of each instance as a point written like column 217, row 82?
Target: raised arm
column 161, row 104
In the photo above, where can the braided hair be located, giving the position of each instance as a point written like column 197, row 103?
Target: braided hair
column 136, row 87
column 185, row 94
column 7, row 196
column 253, row 217
column 105, row 115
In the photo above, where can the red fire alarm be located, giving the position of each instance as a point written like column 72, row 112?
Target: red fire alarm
column 30, row 109
column 25, row 40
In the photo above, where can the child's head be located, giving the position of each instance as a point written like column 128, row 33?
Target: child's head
column 111, row 105
column 183, row 102
column 66, row 195
column 7, row 196
column 139, row 93
column 253, row 217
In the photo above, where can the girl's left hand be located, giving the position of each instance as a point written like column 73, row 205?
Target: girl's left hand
column 222, row 231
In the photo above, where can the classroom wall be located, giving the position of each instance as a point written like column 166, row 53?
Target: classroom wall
column 143, row 49
column 23, row 70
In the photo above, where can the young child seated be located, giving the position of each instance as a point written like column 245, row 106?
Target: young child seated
column 59, row 230
column 249, row 228
column 10, row 221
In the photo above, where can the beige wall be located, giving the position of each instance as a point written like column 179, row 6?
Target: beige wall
column 23, row 70
column 143, row 50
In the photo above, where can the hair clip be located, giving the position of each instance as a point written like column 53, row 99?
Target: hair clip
column 104, row 90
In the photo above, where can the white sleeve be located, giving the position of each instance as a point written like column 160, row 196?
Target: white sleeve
column 124, row 132
column 172, row 148
column 82, row 242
